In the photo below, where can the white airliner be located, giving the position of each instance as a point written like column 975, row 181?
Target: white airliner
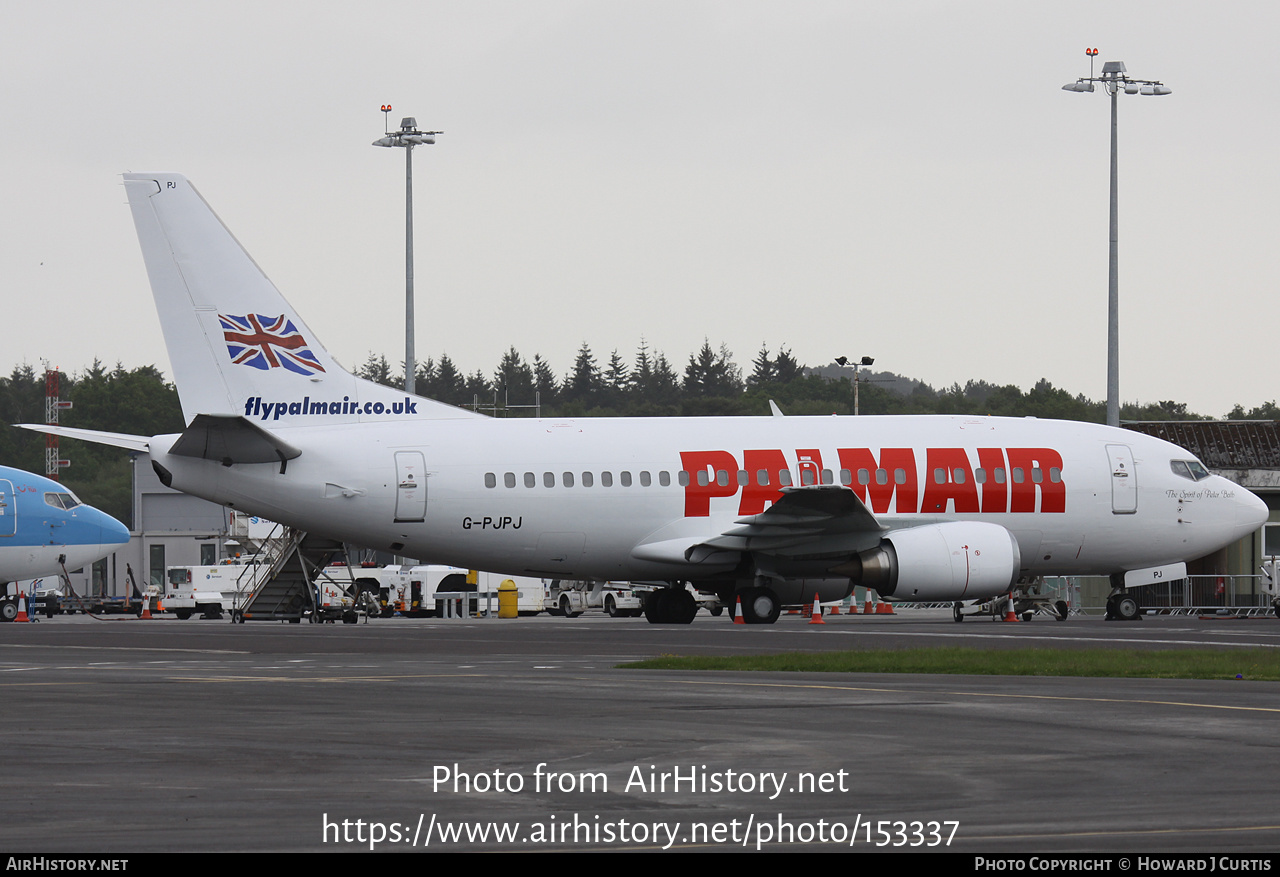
column 43, row 527
column 768, row 509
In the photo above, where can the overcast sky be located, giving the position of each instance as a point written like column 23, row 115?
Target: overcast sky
column 903, row 180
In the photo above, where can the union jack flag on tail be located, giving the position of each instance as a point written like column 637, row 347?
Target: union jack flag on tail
column 268, row 342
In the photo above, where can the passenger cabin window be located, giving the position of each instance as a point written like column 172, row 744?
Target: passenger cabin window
column 509, row 479
column 490, row 480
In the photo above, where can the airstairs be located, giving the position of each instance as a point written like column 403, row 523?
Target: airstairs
column 287, row 589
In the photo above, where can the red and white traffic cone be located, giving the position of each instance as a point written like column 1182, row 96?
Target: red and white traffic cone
column 737, row 612
column 815, row 617
column 1009, row 614
column 22, row 607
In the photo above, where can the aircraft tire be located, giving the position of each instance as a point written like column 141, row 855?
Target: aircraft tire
column 681, row 607
column 1276, row 610
column 1127, row 608
column 760, row 606
column 1062, row 610
column 957, row 615
column 653, row 606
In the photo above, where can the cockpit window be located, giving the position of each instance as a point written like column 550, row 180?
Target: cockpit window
column 1192, row 470
column 61, row 500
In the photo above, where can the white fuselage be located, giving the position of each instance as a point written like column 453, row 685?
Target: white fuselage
column 584, row 494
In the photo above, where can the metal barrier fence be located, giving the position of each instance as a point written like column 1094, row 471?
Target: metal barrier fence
column 1193, row 595
column 1240, row 594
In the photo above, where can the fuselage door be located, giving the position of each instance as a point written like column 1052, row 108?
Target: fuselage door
column 1124, row 480
column 411, row 486
column 8, row 509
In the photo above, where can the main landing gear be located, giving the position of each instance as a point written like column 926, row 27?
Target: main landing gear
column 674, row 605
column 760, row 605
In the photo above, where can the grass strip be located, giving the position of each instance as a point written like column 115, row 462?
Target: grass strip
column 1251, row 664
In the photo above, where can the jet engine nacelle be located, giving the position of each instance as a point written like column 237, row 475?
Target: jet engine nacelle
column 963, row 560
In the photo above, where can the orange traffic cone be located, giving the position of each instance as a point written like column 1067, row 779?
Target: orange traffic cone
column 885, row 609
column 815, row 616
column 737, row 612
column 834, row 610
column 22, row 607
column 869, row 608
column 146, row 608
column 1009, row 614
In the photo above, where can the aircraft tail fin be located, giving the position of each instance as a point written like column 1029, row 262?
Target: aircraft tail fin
column 236, row 346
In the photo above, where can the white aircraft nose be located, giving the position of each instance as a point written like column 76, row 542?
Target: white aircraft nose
column 1251, row 512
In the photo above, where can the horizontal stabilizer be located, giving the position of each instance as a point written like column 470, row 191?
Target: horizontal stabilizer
column 229, row 438
column 139, row 443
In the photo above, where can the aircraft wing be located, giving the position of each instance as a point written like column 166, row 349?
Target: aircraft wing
column 823, row 520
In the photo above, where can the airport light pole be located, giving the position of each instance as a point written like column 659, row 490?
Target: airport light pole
column 844, row 361
column 1114, row 79
column 406, row 138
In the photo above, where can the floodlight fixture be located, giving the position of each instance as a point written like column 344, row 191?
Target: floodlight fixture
column 1114, row 79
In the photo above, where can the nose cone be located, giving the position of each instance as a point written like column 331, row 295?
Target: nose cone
column 98, row 527
column 1251, row 512
column 116, row 533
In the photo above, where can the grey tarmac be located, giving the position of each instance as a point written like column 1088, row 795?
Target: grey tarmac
column 131, row 736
